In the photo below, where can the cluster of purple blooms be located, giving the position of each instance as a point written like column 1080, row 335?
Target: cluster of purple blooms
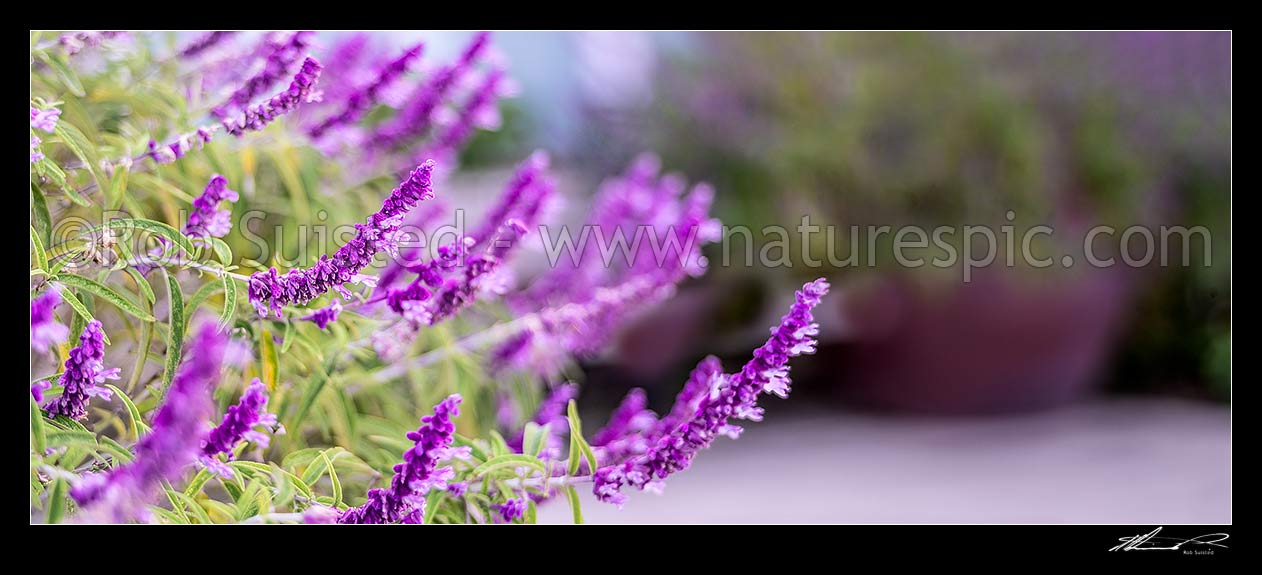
column 205, row 42
column 75, row 42
column 730, row 396
column 84, row 375
column 45, row 120
column 404, row 500
column 207, row 220
column 271, row 292
column 358, row 102
column 238, row 424
column 46, row 331
column 172, row 445
column 279, row 63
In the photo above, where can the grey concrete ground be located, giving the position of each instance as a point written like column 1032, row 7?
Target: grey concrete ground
column 1110, row 461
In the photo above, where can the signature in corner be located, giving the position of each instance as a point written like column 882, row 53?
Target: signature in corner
column 1151, row 542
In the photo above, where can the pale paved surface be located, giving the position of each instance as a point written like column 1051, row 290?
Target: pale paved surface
column 1109, row 461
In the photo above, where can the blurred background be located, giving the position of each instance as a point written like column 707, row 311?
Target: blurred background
column 1026, row 395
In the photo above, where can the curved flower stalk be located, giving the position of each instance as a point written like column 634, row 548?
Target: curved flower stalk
column 238, row 424
column 730, row 396
column 270, row 291
column 362, row 99
column 404, row 500
column 85, row 371
column 46, row 332
column 45, row 120
column 416, row 118
column 205, row 42
column 174, row 443
column 254, row 118
column 278, row 64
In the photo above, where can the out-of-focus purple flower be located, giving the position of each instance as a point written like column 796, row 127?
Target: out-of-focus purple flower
column 36, row 154
column 404, row 500
column 173, row 444
column 730, row 396
column 279, row 63
column 301, row 90
column 75, row 42
column 319, row 515
column 415, row 119
column 270, row 291
column 458, row 293
column 689, row 398
column 458, row 488
column 46, row 331
column 205, row 42
column 207, row 219
column 238, row 423
column 362, row 99
column 45, row 120
column 325, row 315
column 512, row 509
column 523, row 198
column 551, row 412
column 481, row 110
column 415, row 224
column 85, row 371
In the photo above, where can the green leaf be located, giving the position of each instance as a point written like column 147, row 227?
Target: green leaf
column 175, row 337
column 229, row 302
column 41, row 259
column 69, row 297
column 154, row 227
column 118, row 185
column 578, row 445
column 202, row 294
column 78, row 143
column 43, row 221
column 288, row 338
column 37, row 428
column 138, row 426
column 222, row 251
column 577, row 508
column 337, row 484
column 64, row 73
column 142, row 284
column 57, row 501
column 115, row 298
column 513, row 461
column 535, row 438
column 432, row 503
column 195, row 485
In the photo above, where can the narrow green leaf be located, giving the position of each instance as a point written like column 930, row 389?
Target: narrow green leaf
column 509, row 461
column 69, row 297
column 154, row 227
column 534, row 438
column 118, row 185
column 201, row 295
column 138, row 426
column 78, row 143
column 337, row 484
column 195, row 485
column 287, row 339
column 222, row 251
column 57, row 501
column 578, row 445
column 37, row 428
column 41, row 259
column 175, row 337
column 105, row 293
column 229, row 301
column 64, row 73
column 43, row 221
column 142, row 284
column 577, row 508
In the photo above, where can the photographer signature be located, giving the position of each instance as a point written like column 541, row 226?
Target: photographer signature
column 1151, row 542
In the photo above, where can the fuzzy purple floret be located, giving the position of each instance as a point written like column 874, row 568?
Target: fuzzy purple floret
column 361, row 100
column 278, row 64
column 84, row 375
column 46, row 332
column 238, row 424
column 207, row 220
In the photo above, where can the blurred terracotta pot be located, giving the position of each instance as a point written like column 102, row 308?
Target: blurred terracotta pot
column 1001, row 343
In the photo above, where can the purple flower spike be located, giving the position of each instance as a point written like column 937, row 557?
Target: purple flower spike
column 360, row 101
column 85, row 372
column 45, row 120
column 270, row 291
column 404, row 500
column 416, row 119
column 46, row 332
column 730, row 396
column 238, row 424
column 301, row 90
column 121, row 494
column 278, row 64
column 207, row 220
column 512, row 509
column 205, row 42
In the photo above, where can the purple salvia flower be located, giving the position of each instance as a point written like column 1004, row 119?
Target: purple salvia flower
column 46, row 331
column 522, row 199
column 205, row 42
column 325, row 315
column 458, row 293
column 301, row 90
column 238, row 423
column 480, row 110
column 418, row 220
column 404, row 500
column 36, row 154
column 85, row 371
column 398, row 298
column 75, row 42
column 630, row 417
column 270, row 291
column 173, row 444
column 511, row 510
column 207, row 219
column 319, row 515
column 689, row 398
column 45, row 120
column 278, row 65
column 415, row 120
column 458, row 489
column 361, row 100
column 731, row 396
